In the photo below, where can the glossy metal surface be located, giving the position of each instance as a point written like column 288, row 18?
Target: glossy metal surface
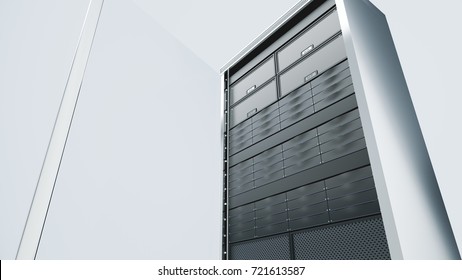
column 414, row 216
column 224, row 129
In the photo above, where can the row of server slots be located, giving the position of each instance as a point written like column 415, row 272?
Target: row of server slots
column 343, row 197
column 334, row 139
column 330, row 87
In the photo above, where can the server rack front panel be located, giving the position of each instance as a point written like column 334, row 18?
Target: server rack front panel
column 297, row 177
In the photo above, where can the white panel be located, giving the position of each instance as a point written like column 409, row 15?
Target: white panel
column 140, row 177
column 38, row 42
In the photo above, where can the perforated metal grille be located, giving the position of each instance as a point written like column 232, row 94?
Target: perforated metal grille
column 359, row 240
column 274, row 248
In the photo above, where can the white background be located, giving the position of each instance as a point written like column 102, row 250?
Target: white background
column 140, row 179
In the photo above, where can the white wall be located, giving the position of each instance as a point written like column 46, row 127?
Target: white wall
column 140, row 177
column 37, row 44
column 215, row 30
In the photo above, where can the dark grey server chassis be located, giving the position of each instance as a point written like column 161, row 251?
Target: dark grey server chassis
column 297, row 176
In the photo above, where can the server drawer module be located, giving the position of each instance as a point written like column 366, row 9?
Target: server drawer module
column 318, row 131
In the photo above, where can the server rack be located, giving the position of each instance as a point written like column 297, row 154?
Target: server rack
column 301, row 178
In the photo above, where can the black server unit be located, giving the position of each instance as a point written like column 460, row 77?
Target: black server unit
column 297, row 177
